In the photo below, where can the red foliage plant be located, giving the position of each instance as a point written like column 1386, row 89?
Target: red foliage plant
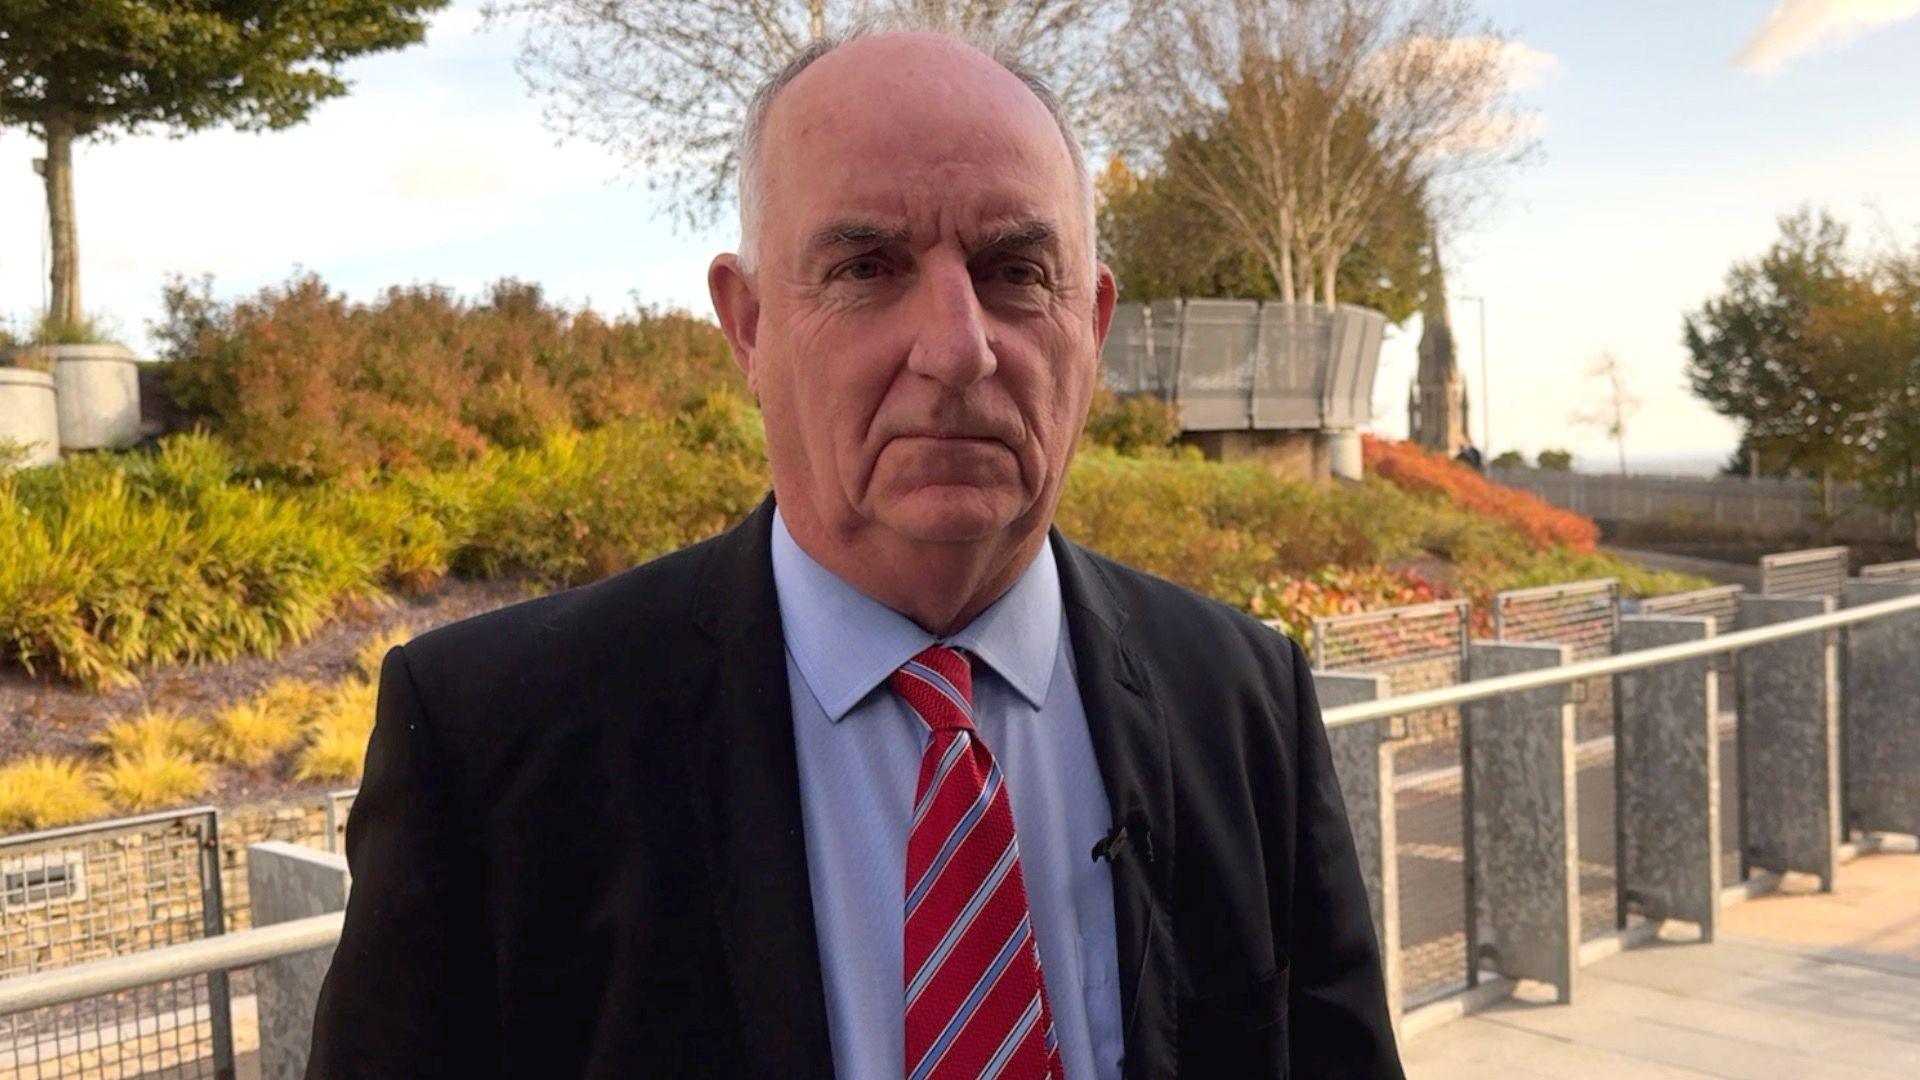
column 1422, row 472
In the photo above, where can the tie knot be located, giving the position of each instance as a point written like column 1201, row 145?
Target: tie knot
column 938, row 685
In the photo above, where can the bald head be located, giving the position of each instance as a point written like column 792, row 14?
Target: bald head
column 889, row 77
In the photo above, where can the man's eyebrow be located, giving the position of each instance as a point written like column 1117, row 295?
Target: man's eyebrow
column 1025, row 235
column 853, row 232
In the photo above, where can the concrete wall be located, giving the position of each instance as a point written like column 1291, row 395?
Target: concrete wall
column 1784, row 510
column 1302, row 455
column 290, row 882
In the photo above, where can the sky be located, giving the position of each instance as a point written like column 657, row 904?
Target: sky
column 1670, row 139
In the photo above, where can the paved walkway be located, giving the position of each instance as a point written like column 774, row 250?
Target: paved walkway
column 1800, row 985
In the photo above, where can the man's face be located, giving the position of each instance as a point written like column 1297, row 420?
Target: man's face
column 928, row 318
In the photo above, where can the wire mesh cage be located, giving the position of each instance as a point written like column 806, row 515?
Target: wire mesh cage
column 73, row 895
column 1808, row 572
column 1906, row 570
column 1413, row 648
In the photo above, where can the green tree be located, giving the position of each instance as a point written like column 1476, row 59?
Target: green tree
column 1555, row 460
column 1781, row 352
column 1162, row 243
column 1508, row 459
column 1888, row 330
column 73, row 70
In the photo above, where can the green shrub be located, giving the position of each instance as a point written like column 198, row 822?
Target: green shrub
column 152, row 780
column 119, row 561
column 372, row 652
column 586, row 504
column 44, row 792
column 336, row 744
column 152, row 733
column 253, row 732
column 1132, row 425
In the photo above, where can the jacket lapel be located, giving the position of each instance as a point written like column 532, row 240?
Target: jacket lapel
column 748, row 805
column 1129, row 734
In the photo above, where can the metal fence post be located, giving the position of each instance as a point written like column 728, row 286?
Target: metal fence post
column 1669, row 775
column 213, row 910
column 1363, row 762
column 1789, row 743
column 1524, row 814
column 1881, row 732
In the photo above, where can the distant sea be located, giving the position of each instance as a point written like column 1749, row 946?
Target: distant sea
column 1697, row 463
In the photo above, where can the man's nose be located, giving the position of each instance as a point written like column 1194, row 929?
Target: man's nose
column 950, row 343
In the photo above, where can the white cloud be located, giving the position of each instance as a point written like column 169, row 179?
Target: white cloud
column 1796, row 27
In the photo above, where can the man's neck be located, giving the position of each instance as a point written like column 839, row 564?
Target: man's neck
column 941, row 586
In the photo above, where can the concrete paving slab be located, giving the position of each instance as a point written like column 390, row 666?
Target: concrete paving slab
column 1800, row 984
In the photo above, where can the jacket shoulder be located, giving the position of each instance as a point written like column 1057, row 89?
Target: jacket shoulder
column 477, row 677
column 1173, row 625
column 642, row 600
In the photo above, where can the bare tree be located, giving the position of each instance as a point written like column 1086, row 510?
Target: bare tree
column 1297, row 122
column 663, row 83
column 1617, row 403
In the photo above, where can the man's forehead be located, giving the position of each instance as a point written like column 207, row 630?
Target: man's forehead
column 905, row 108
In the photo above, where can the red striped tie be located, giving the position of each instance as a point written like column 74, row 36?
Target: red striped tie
column 976, row 1006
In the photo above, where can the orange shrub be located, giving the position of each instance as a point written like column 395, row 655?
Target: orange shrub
column 1335, row 590
column 1423, row 473
column 309, row 386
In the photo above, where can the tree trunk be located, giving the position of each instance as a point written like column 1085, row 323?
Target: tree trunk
column 1329, row 268
column 64, row 309
column 1826, row 503
column 1286, row 255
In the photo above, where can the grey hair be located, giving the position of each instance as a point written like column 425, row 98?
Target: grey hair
column 753, row 129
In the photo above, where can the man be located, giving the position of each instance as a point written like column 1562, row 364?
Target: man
column 891, row 779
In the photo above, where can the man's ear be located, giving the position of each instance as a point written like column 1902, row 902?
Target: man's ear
column 738, row 306
column 1106, row 292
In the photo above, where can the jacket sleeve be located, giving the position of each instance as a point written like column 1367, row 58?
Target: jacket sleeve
column 1337, row 1004
column 409, row 992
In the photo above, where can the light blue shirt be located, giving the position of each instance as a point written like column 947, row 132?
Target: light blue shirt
column 859, row 748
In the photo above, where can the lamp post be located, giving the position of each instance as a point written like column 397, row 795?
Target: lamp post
column 1486, row 388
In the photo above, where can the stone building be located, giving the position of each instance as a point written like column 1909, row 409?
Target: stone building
column 1437, row 400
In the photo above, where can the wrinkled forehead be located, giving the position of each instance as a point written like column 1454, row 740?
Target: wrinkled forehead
column 934, row 139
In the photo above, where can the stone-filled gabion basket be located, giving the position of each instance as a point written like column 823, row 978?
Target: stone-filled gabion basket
column 29, row 414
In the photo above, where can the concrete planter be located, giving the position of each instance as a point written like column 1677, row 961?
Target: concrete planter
column 28, row 414
column 98, row 387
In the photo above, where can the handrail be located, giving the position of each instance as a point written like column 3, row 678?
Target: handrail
column 1459, row 694
column 221, row 952
column 243, row 948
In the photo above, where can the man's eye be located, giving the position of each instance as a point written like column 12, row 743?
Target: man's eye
column 862, row 269
column 1019, row 273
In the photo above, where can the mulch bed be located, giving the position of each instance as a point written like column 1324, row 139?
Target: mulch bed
column 40, row 714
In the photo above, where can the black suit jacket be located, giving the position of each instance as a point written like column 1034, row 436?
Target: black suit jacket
column 577, row 849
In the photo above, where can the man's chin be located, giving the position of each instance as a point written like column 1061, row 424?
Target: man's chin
column 952, row 513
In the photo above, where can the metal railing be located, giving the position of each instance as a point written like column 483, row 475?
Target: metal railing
column 226, row 952
column 1721, row 603
column 1502, row 685
column 115, row 889
column 1228, row 365
column 1416, row 647
column 239, row 949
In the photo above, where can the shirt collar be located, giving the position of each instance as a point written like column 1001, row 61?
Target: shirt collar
column 845, row 643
